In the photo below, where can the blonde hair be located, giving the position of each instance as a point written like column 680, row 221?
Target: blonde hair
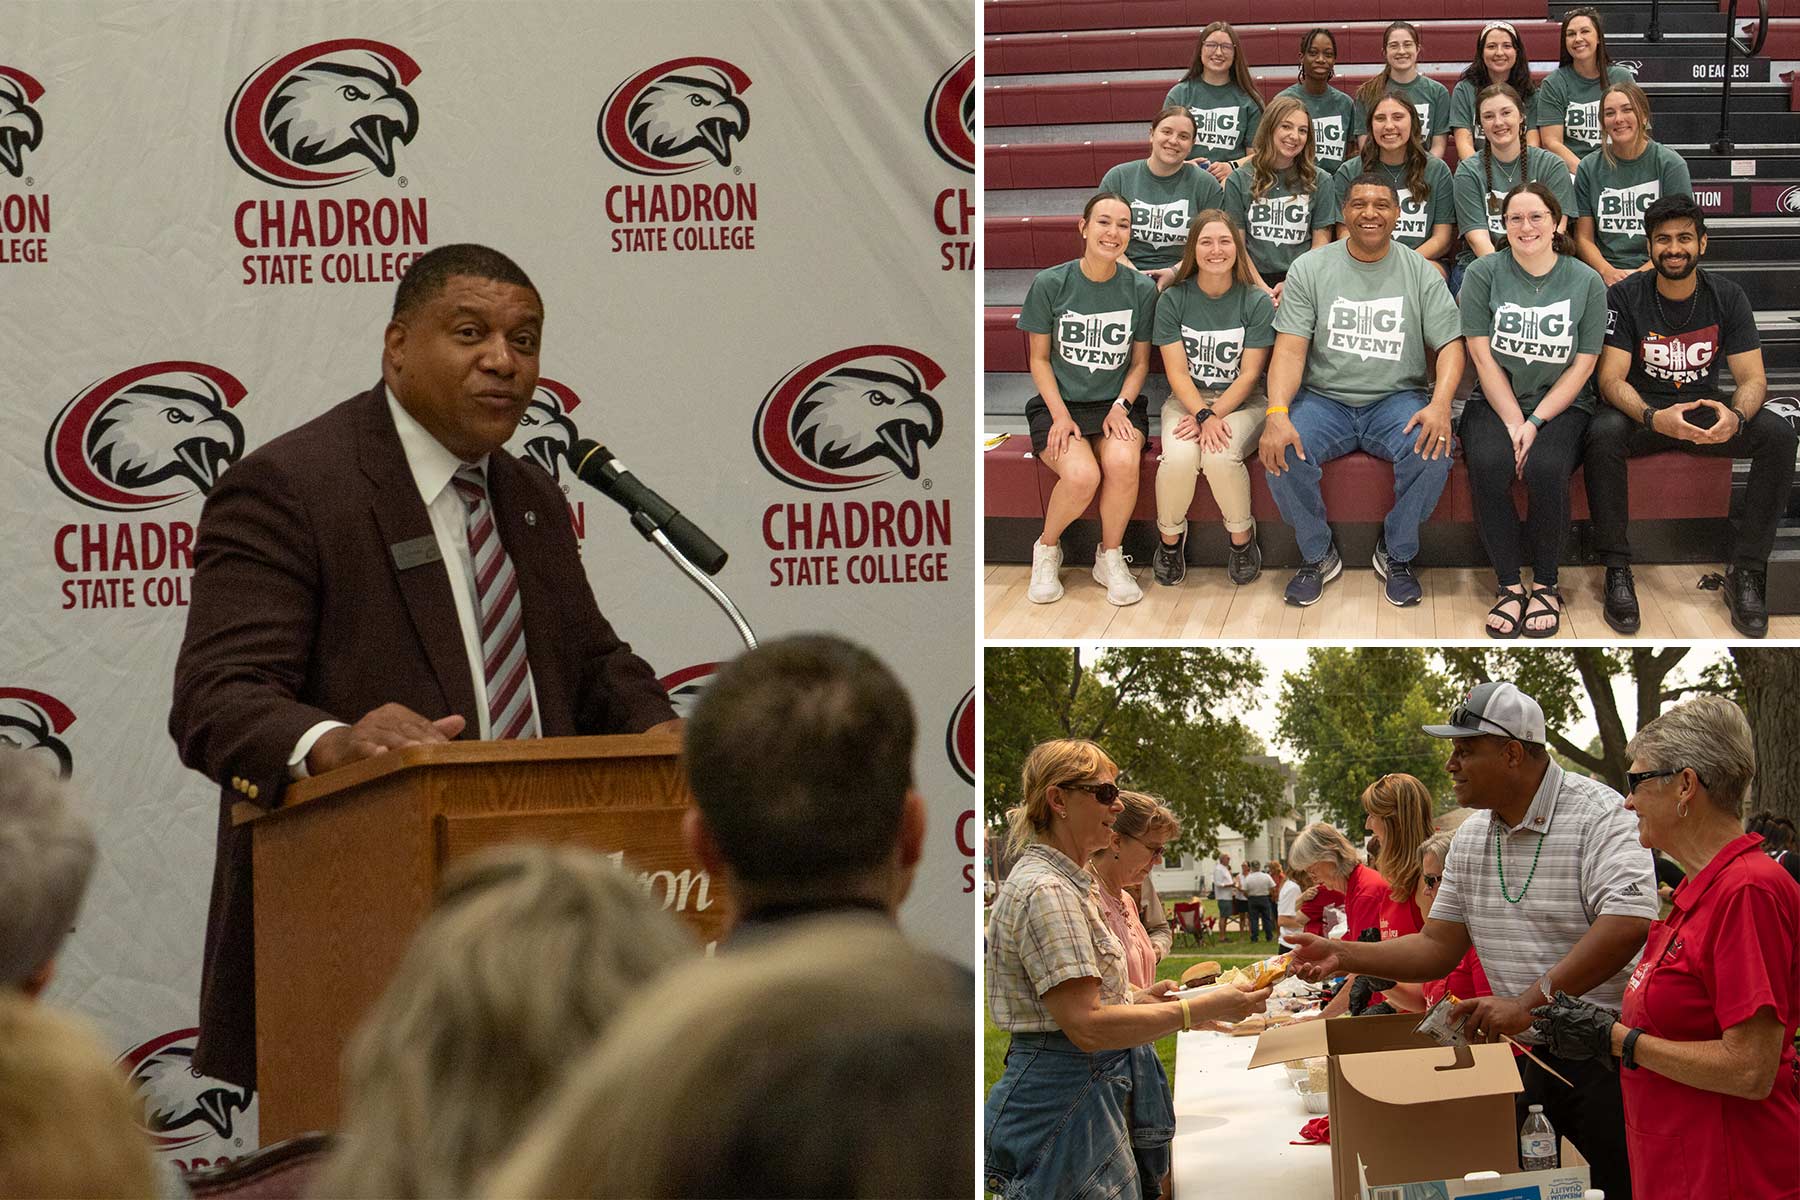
column 1320, row 842
column 1302, row 171
column 1190, row 253
column 1145, row 817
column 1640, row 104
column 1050, row 764
column 68, row 1122
column 830, row 1060
column 1710, row 736
column 1405, row 804
column 525, row 960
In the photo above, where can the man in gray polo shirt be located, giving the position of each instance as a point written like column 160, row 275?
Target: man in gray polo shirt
column 1549, row 883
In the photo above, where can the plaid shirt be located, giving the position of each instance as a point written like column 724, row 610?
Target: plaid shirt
column 1046, row 929
column 1590, row 865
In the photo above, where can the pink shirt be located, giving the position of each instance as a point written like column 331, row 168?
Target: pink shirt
column 1121, row 914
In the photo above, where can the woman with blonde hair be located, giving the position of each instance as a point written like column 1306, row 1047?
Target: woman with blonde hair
column 1214, row 327
column 1057, row 981
column 1225, row 102
column 1616, row 183
column 526, row 958
column 1275, row 198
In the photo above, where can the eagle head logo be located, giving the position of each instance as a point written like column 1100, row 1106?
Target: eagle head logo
column 837, row 422
column 686, row 685
column 959, row 738
column 31, row 722
column 21, row 128
column 675, row 117
column 950, row 115
column 329, row 103
column 178, row 1106
column 545, row 432
column 147, row 437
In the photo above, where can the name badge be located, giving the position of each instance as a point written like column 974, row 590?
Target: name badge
column 416, row 552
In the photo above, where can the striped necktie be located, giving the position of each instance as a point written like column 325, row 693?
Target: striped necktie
column 508, row 675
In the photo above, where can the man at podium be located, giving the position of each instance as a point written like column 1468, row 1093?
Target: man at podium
column 387, row 575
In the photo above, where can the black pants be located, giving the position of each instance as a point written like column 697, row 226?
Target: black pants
column 1262, row 918
column 1488, row 451
column 1766, row 440
column 1591, row 1114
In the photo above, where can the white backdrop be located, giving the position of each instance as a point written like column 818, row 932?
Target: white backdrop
column 766, row 312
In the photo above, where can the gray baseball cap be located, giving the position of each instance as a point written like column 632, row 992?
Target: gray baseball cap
column 1499, row 709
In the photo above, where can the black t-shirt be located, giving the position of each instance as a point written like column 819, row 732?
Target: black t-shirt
column 1670, row 363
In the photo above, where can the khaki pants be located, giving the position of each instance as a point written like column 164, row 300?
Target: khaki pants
column 1182, row 462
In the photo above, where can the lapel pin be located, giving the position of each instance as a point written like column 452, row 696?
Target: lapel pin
column 530, row 518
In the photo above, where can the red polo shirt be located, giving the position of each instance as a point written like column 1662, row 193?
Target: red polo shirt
column 1314, row 910
column 1729, row 949
column 1365, row 901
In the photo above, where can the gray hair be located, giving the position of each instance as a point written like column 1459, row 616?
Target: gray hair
column 524, row 961
column 46, row 856
column 1320, row 842
column 1437, row 846
column 1146, row 815
column 1709, row 735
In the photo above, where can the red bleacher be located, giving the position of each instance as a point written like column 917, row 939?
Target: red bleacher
column 1031, row 16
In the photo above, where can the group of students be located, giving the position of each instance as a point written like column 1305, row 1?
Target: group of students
column 1293, row 280
column 1671, row 1040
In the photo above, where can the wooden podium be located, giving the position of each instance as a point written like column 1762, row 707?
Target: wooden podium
column 347, row 867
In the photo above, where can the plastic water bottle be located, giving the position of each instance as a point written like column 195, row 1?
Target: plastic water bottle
column 1537, row 1142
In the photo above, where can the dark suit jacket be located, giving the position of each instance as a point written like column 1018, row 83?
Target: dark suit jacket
column 301, row 614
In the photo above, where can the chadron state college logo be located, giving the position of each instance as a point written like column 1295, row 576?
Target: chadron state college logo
column 179, row 1108
column 950, row 115
column 146, row 437
column 959, row 738
column 21, row 129
column 324, row 114
column 25, row 214
column 33, row 723
column 851, row 419
column 546, row 433
column 676, row 117
column 686, row 685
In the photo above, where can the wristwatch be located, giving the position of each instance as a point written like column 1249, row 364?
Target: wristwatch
column 1628, row 1052
column 1649, row 418
column 1537, row 422
column 1122, row 402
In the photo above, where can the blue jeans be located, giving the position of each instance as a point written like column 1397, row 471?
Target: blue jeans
column 1262, row 918
column 1066, row 1125
column 1330, row 429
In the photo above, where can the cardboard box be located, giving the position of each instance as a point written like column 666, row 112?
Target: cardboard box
column 1567, row 1182
column 1404, row 1108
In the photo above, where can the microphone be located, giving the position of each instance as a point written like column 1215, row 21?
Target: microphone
column 600, row 469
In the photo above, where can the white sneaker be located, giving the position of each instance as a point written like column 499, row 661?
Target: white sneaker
column 1045, row 587
column 1111, row 573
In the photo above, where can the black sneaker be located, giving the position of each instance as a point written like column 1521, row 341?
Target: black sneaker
column 1169, row 564
column 1308, row 583
column 1245, row 561
column 1744, row 589
column 1621, row 605
column 1402, row 589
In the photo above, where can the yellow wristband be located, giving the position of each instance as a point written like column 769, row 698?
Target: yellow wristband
column 1187, row 1017
column 1278, row 408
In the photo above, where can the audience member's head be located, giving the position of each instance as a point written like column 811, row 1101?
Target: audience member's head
column 826, row 1062
column 46, row 855
column 800, row 754
column 67, row 1118
column 527, row 956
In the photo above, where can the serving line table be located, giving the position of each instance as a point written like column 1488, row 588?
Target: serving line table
column 1233, row 1126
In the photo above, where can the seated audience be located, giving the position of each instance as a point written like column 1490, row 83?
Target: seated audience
column 1277, row 198
column 1427, row 196
column 1165, row 191
column 1349, row 373
column 1667, row 333
column 1214, row 327
column 529, row 953
column 1533, row 318
column 1090, row 324
column 1226, row 104
column 1616, row 183
column 1332, row 111
column 1500, row 57
column 1400, row 73
column 1568, row 101
column 1503, row 163
column 829, row 1060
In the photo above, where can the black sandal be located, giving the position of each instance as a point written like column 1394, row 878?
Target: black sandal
column 1546, row 611
column 1515, row 621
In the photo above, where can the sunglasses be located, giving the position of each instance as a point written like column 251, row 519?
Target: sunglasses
column 1105, row 793
column 1433, row 880
column 1633, row 779
column 1462, row 715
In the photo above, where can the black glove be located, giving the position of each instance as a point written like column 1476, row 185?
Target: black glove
column 1362, row 990
column 1574, row 1029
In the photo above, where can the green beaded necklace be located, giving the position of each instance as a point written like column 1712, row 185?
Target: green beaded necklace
column 1501, row 863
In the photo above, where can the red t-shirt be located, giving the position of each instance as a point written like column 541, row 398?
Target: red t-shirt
column 1729, row 949
column 1465, row 981
column 1314, row 910
column 1364, row 900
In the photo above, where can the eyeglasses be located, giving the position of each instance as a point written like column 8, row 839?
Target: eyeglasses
column 1463, row 714
column 1520, row 220
column 1155, row 848
column 1433, row 880
column 1636, row 779
column 1217, row 47
column 1105, row 793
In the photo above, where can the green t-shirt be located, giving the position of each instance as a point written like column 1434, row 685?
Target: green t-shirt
column 1333, row 121
column 1417, row 217
column 1369, row 323
column 1091, row 327
column 1535, row 327
column 1279, row 226
column 1477, row 205
column 1616, row 194
column 1225, row 118
column 1161, row 208
column 1463, row 116
column 1214, row 333
column 1430, row 97
column 1566, row 99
